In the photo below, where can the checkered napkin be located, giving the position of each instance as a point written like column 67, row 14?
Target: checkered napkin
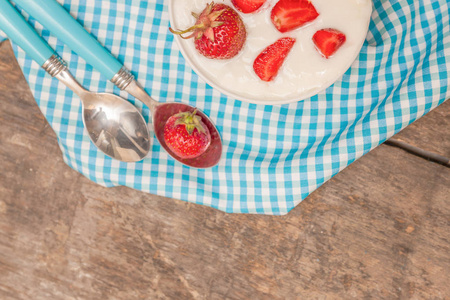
column 274, row 156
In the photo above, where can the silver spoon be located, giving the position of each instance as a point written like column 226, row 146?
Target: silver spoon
column 53, row 16
column 163, row 111
column 114, row 125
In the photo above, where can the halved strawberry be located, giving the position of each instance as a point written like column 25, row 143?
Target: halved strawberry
column 269, row 61
column 247, row 6
column 288, row 15
column 328, row 41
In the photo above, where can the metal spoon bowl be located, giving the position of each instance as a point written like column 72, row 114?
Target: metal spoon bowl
column 210, row 157
column 114, row 125
column 161, row 112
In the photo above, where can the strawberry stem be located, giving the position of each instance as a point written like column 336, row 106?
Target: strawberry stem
column 190, row 29
column 191, row 121
column 204, row 24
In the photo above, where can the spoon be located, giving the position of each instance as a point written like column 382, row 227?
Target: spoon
column 53, row 16
column 114, row 125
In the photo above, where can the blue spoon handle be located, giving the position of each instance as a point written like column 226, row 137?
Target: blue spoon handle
column 56, row 19
column 21, row 33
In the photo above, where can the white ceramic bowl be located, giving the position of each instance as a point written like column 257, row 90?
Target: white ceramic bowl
column 304, row 73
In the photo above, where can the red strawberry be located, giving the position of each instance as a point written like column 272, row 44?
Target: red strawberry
column 269, row 61
column 186, row 135
column 288, row 15
column 247, row 6
column 219, row 32
column 328, row 41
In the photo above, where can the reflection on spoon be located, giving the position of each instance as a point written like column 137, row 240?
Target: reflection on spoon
column 114, row 125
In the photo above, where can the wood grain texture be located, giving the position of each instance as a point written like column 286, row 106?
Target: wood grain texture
column 377, row 230
column 432, row 132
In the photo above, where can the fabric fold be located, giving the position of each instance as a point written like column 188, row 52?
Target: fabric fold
column 274, row 156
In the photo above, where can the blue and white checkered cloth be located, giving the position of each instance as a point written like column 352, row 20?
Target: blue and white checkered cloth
column 274, row 156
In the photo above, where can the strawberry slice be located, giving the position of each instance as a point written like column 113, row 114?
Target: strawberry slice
column 269, row 61
column 328, row 41
column 247, row 6
column 288, row 15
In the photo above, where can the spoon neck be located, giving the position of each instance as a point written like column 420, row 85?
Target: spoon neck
column 135, row 89
column 57, row 68
column 66, row 77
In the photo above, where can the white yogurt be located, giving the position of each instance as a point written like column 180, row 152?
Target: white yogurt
column 304, row 72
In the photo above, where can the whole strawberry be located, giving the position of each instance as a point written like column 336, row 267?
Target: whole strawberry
column 219, row 32
column 186, row 135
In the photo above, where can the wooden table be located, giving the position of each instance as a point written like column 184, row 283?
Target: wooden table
column 379, row 229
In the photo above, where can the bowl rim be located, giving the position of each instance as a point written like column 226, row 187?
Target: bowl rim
column 300, row 97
